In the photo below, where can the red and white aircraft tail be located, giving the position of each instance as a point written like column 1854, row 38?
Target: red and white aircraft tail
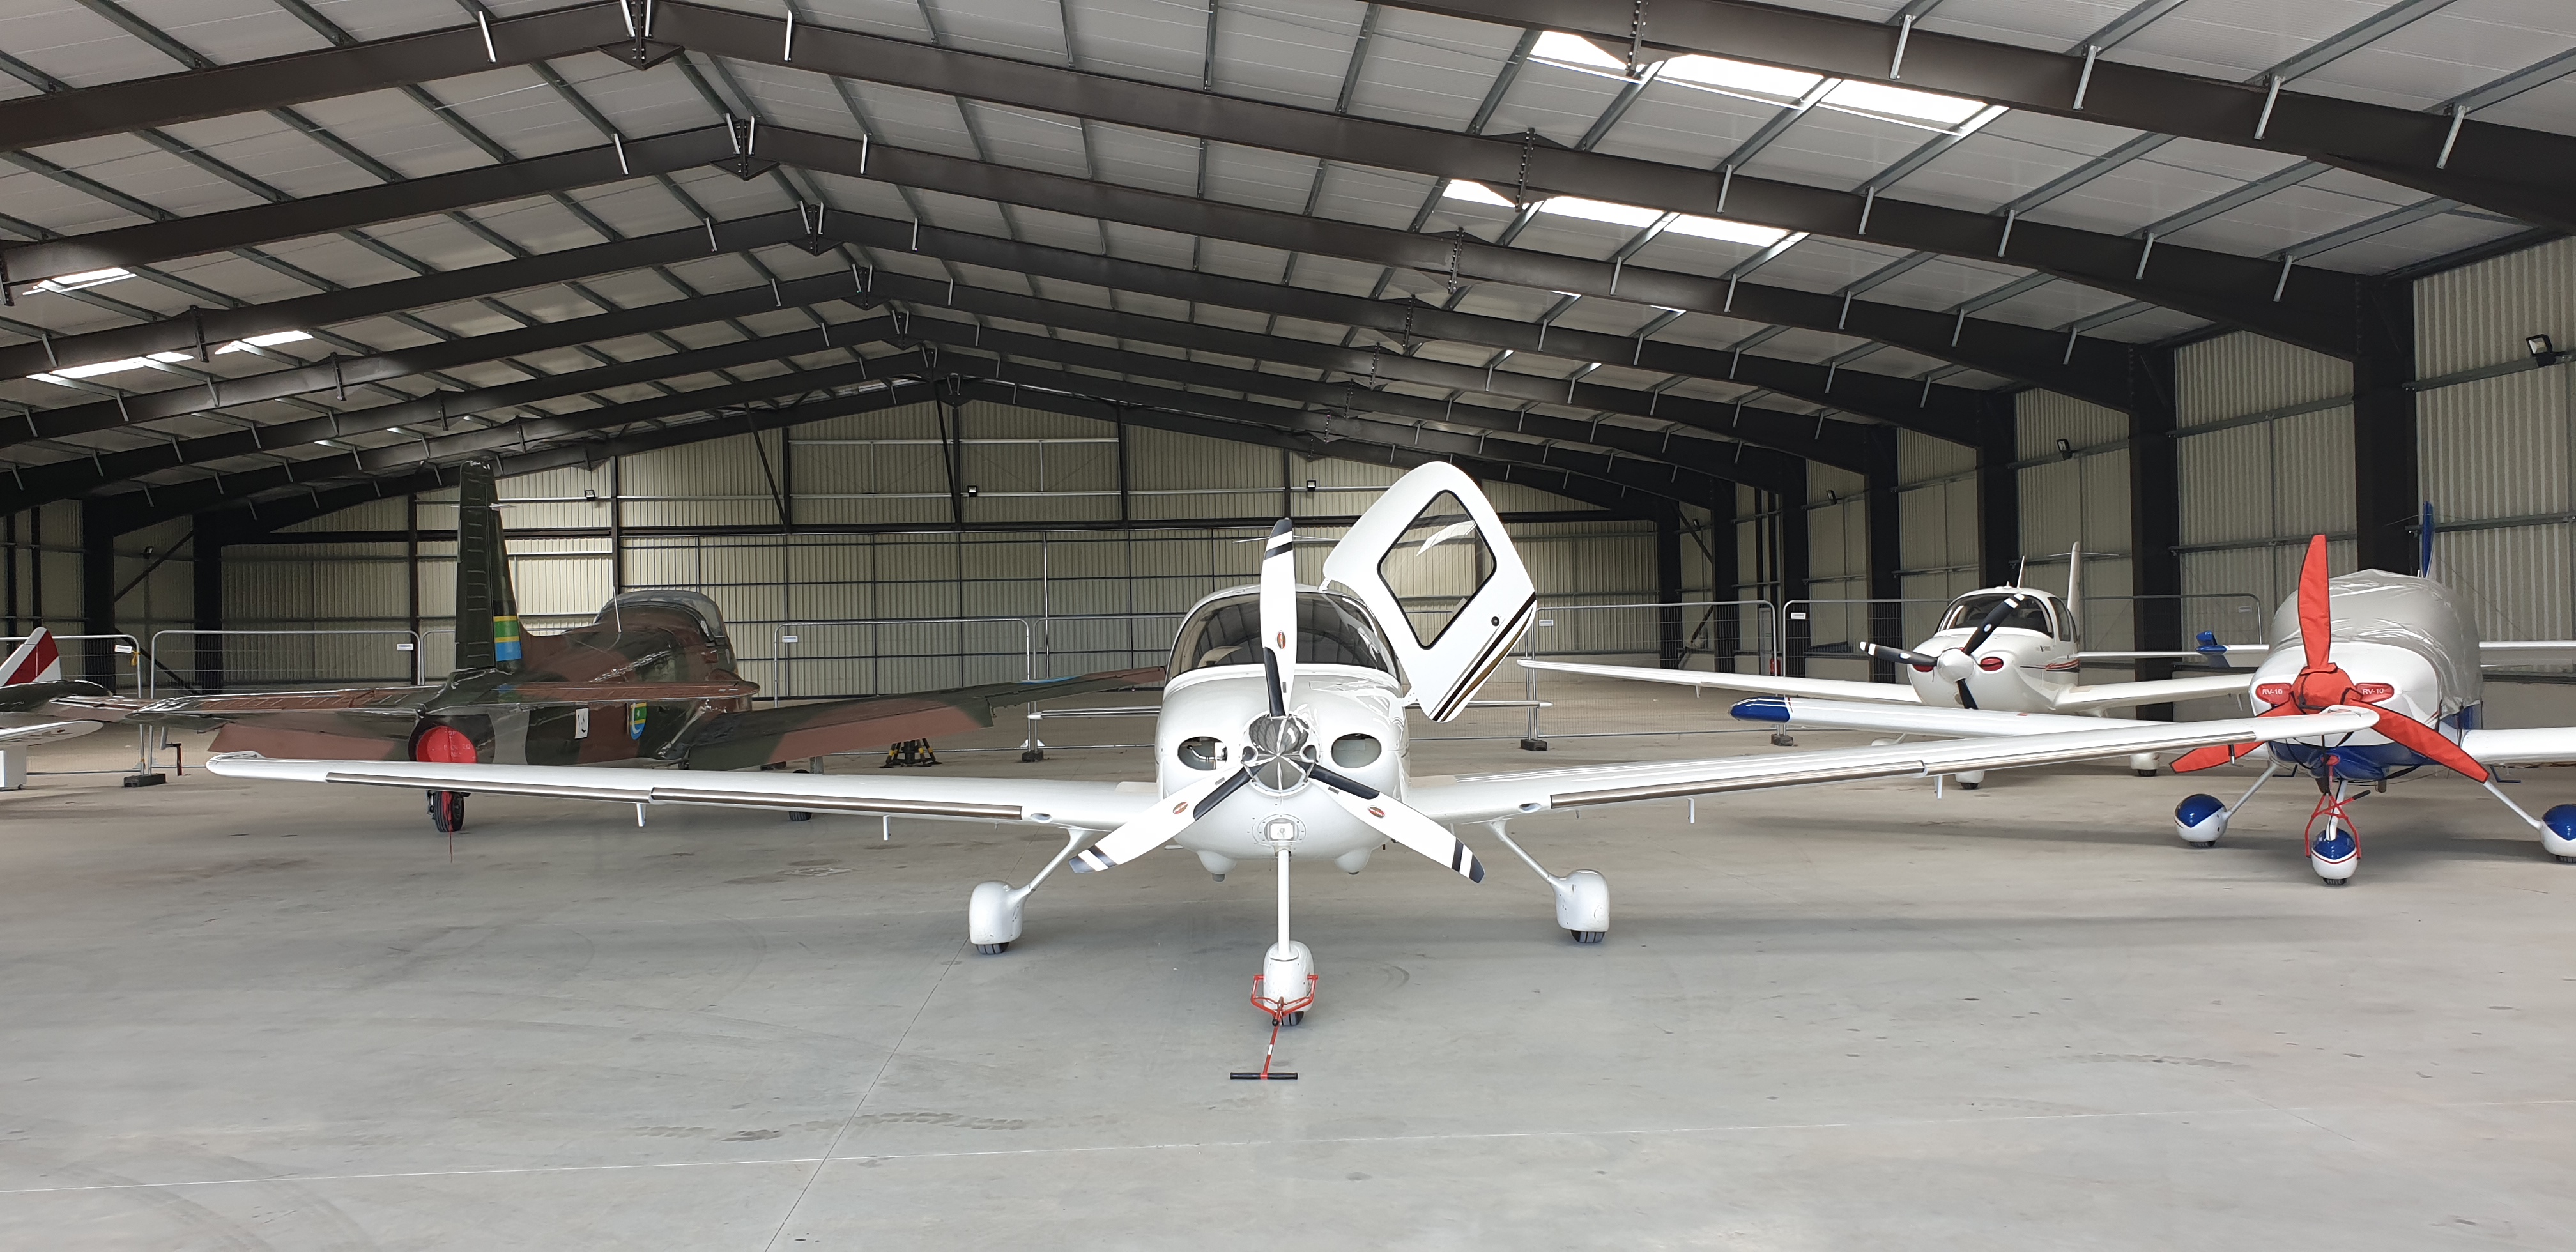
column 37, row 660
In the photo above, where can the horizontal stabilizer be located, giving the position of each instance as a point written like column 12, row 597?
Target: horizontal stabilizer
column 795, row 732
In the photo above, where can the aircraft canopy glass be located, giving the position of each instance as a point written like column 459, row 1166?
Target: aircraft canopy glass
column 2036, row 614
column 644, row 603
column 1331, row 630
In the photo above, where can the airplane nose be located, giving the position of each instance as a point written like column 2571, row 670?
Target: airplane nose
column 1954, row 666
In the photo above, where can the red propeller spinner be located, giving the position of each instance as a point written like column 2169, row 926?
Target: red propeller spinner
column 2322, row 684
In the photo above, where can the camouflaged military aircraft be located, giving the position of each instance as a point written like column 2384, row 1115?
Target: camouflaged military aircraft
column 650, row 682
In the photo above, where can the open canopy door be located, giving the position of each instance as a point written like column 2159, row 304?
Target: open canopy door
column 1431, row 562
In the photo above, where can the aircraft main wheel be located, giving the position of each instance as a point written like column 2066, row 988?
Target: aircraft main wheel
column 992, row 949
column 1588, row 936
column 447, row 811
column 1969, row 786
column 2333, row 882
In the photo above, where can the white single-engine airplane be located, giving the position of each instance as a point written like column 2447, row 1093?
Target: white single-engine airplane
column 1282, row 736
column 2011, row 649
column 2394, row 643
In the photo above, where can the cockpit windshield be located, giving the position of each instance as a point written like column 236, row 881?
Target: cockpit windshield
column 1331, row 630
column 643, row 606
column 2032, row 614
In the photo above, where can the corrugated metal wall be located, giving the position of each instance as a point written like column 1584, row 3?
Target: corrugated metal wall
column 1937, row 520
column 2266, row 461
column 705, row 517
column 2077, row 493
column 2496, row 454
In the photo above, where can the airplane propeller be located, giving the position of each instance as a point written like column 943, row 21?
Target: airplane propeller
column 1279, row 752
column 1956, row 665
column 2321, row 684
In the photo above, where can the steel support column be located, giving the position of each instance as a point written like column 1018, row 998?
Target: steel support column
column 98, row 592
column 1668, row 587
column 208, row 584
column 1998, row 491
column 2155, row 516
column 2385, row 496
column 1883, row 547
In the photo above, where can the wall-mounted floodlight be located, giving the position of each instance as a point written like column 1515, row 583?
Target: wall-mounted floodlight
column 1310, row 484
column 591, row 494
column 2544, row 353
column 971, row 490
column 2066, row 449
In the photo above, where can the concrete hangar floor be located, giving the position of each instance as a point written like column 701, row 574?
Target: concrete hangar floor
column 244, row 1016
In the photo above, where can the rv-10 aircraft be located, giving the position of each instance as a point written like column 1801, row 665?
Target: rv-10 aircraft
column 1282, row 736
column 2395, row 643
column 2011, row 649
column 650, row 682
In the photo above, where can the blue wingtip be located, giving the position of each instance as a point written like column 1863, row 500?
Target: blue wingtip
column 2209, row 643
column 1762, row 709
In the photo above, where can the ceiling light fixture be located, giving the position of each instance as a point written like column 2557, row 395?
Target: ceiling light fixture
column 84, row 280
column 269, row 340
column 63, row 377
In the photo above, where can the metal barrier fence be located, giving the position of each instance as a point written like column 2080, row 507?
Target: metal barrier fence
column 125, row 675
column 208, row 661
column 873, row 656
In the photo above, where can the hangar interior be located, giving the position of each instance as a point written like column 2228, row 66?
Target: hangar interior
column 941, row 341
column 2213, row 345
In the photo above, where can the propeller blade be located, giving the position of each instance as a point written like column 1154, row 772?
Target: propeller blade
column 2316, row 621
column 1994, row 618
column 1392, row 818
column 2426, row 742
column 1279, row 609
column 1898, row 655
column 1170, row 816
column 1967, row 698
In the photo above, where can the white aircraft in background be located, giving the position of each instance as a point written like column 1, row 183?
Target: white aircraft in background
column 1282, row 736
column 2396, row 643
column 30, row 681
column 2011, row 649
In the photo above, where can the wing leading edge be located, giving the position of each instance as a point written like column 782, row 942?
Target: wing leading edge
column 1489, row 796
column 1751, row 684
column 1044, row 802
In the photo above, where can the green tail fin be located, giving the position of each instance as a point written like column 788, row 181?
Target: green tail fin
column 487, row 608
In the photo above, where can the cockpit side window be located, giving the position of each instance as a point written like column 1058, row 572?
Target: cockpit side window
column 1331, row 630
column 2032, row 614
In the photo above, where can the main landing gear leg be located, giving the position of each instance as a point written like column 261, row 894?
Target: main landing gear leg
column 993, row 910
column 1582, row 897
column 2557, row 829
column 1287, row 982
column 2201, row 819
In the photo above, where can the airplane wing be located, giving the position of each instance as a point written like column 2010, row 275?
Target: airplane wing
column 301, row 709
column 2159, row 691
column 2527, row 652
column 2541, row 745
column 43, row 732
column 794, row 732
column 1489, row 796
column 1046, row 802
column 1915, row 720
column 1755, row 684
